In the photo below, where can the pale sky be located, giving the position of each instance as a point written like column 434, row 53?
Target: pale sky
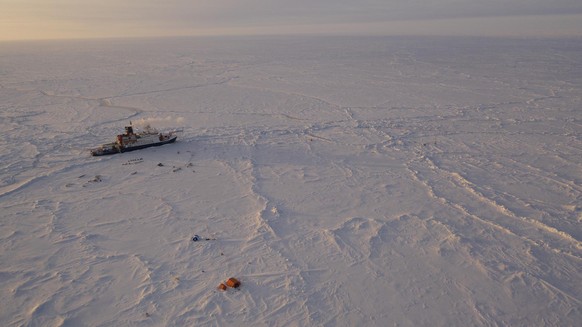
column 62, row 19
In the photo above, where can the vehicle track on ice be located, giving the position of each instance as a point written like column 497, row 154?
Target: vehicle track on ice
column 445, row 186
column 542, row 242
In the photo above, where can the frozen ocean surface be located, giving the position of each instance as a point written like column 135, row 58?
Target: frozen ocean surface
column 345, row 181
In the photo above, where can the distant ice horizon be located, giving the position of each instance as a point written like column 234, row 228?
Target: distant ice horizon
column 284, row 37
column 506, row 26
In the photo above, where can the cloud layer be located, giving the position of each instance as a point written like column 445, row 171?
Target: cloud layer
column 92, row 18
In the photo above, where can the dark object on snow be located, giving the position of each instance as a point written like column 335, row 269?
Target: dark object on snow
column 222, row 287
column 233, row 282
column 197, row 238
column 160, row 164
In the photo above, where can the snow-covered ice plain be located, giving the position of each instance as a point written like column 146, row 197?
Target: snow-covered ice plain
column 370, row 181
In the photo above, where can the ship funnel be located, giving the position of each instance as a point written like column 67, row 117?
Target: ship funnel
column 128, row 130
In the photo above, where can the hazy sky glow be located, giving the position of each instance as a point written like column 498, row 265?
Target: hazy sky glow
column 58, row 19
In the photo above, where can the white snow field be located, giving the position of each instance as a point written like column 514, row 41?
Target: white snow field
column 345, row 181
